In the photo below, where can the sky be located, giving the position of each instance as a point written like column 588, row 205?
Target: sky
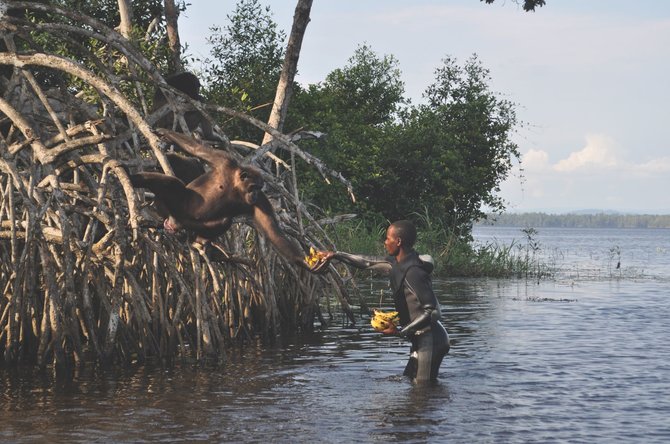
column 591, row 80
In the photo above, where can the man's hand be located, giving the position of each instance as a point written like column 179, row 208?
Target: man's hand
column 322, row 262
column 391, row 330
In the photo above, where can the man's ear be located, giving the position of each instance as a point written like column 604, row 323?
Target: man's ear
column 399, row 241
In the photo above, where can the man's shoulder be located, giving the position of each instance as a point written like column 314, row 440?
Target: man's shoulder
column 417, row 271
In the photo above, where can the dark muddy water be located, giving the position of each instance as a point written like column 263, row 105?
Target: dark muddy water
column 572, row 359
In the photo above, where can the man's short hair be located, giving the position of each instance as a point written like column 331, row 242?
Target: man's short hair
column 406, row 231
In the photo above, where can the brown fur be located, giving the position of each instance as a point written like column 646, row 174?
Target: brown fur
column 207, row 204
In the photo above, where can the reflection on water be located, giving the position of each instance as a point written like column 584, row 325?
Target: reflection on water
column 558, row 361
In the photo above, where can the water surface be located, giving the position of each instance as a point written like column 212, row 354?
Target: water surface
column 565, row 360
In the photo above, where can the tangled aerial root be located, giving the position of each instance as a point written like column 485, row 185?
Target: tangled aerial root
column 85, row 273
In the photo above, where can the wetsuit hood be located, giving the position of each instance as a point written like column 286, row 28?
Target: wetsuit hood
column 424, row 261
column 399, row 269
column 428, row 263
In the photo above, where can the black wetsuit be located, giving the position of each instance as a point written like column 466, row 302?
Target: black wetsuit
column 417, row 306
column 420, row 316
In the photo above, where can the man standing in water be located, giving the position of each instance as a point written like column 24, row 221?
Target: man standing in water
column 413, row 296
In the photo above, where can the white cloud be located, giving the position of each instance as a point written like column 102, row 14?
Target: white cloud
column 597, row 154
column 596, row 176
column 655, row 166
column 535, row 160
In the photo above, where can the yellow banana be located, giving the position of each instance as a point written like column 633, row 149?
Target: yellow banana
column 313, row 257
column 378, row 324
column 382, row 320
column 388, row 315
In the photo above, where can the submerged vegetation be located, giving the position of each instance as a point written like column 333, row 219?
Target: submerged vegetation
column 521, row 260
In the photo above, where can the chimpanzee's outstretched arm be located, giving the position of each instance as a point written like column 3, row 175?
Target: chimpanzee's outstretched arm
column 266, row 221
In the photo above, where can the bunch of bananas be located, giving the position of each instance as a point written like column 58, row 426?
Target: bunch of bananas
column 381, row 320
column 313, row 258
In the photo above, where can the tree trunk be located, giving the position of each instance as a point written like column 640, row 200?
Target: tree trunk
column 171, row 17
column 126, row 14
column 285, row 86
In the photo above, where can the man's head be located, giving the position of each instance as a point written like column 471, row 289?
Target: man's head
column 400, row 235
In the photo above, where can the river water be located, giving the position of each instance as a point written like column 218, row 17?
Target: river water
column 580, row 357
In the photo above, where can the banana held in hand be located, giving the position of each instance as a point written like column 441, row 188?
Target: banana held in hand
column 313, row 258
column 382, row 320
column 379, row 324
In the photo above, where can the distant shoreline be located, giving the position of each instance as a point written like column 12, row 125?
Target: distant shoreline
column 600, row 220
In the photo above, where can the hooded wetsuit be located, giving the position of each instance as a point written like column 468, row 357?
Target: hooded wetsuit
column 417, row 307
column 420, row 316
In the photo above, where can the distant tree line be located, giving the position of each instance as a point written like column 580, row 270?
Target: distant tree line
column 600, row 220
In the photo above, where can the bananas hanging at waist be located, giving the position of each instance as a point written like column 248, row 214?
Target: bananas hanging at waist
column 381, row 320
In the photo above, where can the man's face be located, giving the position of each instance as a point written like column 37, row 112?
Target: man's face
column 392, row 242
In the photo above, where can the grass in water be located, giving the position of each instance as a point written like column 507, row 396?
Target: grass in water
column 453, row 256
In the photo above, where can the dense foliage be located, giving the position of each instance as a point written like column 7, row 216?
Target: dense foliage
column 356, row 107
column 444, row 159
column 144, row 12
column 51, row 31
column 247, row 56
column 453, row 152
